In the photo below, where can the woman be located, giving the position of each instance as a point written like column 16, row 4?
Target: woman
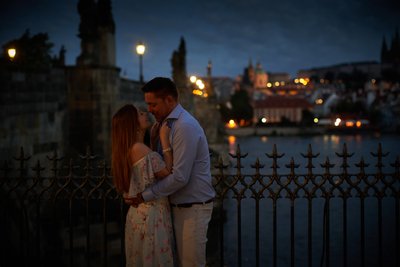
column 148, row 228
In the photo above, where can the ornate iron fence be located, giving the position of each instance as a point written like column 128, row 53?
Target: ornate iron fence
column 69, row 214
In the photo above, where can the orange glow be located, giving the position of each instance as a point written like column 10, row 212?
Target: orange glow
column 231, row 140
column 335, row 139
column 349, row 123
column 281, row 92
column 232, row 144
column 231, row 124
column 197, row 92
column 358, row 124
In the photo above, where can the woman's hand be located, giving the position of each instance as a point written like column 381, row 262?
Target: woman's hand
column 128, row 200
column 134, row 201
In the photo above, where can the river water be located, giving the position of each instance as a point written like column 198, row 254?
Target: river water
column 360, row 146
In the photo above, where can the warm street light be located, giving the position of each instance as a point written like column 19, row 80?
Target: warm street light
column 11, row 53
column 140, row 49
column 193, row 79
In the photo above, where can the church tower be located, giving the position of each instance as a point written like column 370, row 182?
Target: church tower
column 209, row 83
column 384, row 51
column 248, row 75
column 260, row 77
column 391, row 55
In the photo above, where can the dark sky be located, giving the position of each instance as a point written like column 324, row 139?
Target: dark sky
column 284, row 36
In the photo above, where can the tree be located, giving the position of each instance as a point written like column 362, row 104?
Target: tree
column 33, row 53
column 241, row 108
column 307, row 118
column 226, row 112
column 347, row 106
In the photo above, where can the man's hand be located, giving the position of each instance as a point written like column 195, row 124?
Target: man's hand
column 134, row 201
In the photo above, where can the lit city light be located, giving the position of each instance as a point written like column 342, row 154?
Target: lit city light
column 12, row 53
column 193, row 79
column 231, row 124
column 337, row 122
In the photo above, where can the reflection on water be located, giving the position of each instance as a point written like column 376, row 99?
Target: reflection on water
column 232, row 144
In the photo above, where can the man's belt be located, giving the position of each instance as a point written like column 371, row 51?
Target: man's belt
column 188, row 205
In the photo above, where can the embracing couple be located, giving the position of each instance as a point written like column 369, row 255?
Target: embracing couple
column 167, row 185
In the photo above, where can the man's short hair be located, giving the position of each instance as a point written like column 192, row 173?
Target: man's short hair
column 161, row 87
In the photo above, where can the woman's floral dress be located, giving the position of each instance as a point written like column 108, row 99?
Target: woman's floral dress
column 148, row 229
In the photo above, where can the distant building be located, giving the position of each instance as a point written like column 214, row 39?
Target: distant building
column 274, row 108
column 372, row 68
column 256, row 77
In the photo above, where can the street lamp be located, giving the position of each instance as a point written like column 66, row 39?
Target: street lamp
column 11, row 53
column 140, row 48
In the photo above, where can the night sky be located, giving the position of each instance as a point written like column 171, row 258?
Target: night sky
column 284, row 36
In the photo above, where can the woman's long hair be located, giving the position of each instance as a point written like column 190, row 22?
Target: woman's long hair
column 125, row 125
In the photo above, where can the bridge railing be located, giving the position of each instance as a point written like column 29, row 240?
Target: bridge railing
column 66, row 212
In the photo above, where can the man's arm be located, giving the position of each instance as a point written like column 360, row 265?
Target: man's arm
column 184, row 144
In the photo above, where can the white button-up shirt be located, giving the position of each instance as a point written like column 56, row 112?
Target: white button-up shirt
column 190, row 180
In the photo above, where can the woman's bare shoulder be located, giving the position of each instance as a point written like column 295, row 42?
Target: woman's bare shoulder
column 138, row 151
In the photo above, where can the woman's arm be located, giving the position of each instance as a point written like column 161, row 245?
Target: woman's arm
column 167, row 151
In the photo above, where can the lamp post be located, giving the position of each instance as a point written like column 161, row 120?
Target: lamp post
column 140, row 48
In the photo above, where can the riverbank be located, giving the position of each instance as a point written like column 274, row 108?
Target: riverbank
column 295, row 131
column 275, row 131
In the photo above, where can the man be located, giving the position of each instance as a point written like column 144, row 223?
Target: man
column 189, row 186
